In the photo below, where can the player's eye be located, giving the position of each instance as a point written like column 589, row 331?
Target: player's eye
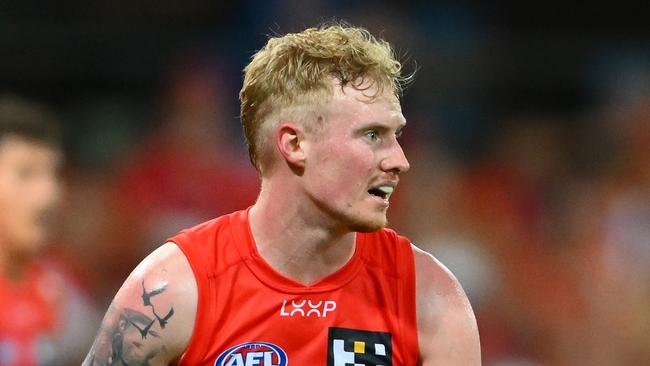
column 372, row 135
column 399, row 132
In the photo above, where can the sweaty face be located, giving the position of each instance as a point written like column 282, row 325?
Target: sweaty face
column 353, row 160
column 29, row 192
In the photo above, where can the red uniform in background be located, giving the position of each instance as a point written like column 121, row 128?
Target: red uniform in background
column 29, row 316
column 250, row 314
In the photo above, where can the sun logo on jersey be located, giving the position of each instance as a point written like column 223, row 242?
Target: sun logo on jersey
column 253, row 353
column 351, row 347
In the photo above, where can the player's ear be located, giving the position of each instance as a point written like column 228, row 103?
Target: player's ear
column 289, row 141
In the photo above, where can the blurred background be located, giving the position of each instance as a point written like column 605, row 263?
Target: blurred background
column 528, row 137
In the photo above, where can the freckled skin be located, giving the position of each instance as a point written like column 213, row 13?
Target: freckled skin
column 345, row 162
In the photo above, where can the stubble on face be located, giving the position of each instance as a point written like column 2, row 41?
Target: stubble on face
column 345, row 164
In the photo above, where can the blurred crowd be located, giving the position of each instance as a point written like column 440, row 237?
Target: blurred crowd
column 549, row 232
column 541, row 210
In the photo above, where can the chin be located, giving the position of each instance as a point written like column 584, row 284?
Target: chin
column 368, row 225
column 32, row 247
column 31, row 242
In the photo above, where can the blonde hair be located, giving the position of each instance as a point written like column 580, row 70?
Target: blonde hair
column 297, row 69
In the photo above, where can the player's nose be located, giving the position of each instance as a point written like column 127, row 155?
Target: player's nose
column 395, row 161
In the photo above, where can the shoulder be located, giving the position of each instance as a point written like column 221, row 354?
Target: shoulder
column 151, row 318
column 447, row 329
column 432, row 277
column 209, row 232
column 165, row 269
column 162, row 284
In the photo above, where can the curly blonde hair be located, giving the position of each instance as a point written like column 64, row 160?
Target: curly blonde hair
column 297, row 69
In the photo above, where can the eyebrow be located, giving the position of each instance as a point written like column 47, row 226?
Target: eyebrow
column 383, row 126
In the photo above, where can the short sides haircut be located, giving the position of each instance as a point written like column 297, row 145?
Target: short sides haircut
column 297, row 69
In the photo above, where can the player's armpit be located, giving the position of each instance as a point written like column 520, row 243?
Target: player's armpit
column 151, row 319
column 447, row 330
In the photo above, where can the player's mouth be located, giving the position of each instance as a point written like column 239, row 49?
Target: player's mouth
column 382, row 191
column 44, row 217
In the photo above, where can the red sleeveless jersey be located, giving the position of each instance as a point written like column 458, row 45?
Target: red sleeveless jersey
column 29, row 312
column 251, row 315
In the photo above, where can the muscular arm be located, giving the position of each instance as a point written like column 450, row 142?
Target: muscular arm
column 151, row 319
column 447, row 329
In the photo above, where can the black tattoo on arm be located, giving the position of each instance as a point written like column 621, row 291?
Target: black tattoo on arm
column 146, row 296
column 163, row 321
column 145, row 331
column 116, row 344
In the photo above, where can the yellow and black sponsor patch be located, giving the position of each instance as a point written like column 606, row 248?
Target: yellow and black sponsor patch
column 352, row 347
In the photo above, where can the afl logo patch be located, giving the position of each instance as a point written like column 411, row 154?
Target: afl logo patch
column 253, row 353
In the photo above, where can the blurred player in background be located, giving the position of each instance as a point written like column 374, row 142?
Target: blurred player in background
column 308, row 275
column 44, row 318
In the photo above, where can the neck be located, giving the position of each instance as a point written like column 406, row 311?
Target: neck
column 12, row 267
column 296, row 238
